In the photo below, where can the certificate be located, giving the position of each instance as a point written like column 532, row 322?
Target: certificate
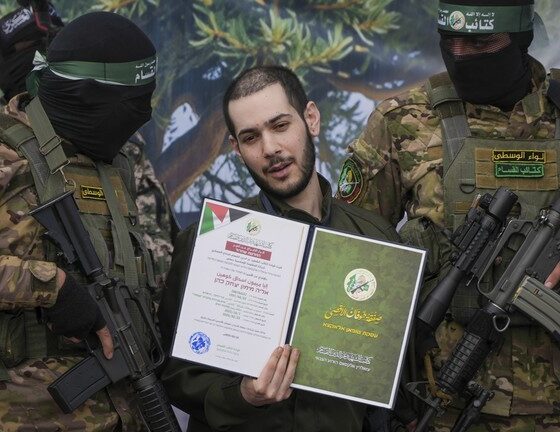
column 257, row 281
column 240, row 289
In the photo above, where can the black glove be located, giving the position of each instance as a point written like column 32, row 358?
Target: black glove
column 75, row 313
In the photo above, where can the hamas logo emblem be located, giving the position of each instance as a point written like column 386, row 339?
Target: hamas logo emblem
column 253, row 227
column 457, row 20
column 350, row 182
column 360, row 284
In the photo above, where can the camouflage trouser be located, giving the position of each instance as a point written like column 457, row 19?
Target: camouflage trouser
column 26, row 405
column 490, row 423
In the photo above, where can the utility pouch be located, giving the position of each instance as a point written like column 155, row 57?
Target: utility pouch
column 12, row 338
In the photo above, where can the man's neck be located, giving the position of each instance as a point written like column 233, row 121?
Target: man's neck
column 310, row 199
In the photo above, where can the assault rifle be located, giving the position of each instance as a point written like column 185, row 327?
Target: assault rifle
column 521, row 286
column 130, row 360
column 473, row 241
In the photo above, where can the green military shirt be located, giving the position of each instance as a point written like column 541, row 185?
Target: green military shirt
column 395, row 167
column 212, row 398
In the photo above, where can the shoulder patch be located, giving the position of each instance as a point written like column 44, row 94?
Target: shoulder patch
column 351, row 180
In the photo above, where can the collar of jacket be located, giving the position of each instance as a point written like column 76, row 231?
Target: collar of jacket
column 277, row 207
column 531, row 107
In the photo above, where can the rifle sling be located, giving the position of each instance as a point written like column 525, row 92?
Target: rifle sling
column 121, row 229
column 49, row 142
column 22, row 139
column 449, row 107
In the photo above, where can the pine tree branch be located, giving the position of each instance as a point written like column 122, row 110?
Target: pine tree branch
column 336, row 6
column 368, row 90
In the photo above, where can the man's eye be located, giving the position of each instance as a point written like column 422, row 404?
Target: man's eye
column 281, row 126
column 248, row 138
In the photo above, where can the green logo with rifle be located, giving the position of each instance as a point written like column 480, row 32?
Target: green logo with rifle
column 360, row 284
column 253, row 227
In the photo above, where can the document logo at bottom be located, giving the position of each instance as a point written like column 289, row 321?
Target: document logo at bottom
column 199, row 342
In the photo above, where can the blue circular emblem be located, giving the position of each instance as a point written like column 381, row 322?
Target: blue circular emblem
column 200, row 343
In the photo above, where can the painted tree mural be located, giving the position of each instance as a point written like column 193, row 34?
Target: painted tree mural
column 349, row 53
column 343, row 52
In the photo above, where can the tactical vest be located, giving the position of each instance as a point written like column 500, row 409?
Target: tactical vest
column 474, row 166
column 105, row 198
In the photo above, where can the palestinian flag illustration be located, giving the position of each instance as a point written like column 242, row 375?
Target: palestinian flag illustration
column 217, row 215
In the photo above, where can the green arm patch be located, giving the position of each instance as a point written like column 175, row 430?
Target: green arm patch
column 351, row 181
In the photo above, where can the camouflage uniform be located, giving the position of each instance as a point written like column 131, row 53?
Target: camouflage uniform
column 154, row 212
column 396, row 165
column 27, row 282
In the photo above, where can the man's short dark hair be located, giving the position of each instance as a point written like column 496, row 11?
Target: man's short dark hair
column 257, row 78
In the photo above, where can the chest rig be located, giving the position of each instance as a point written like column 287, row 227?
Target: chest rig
column 478, row 165
column 105, row 197
column 474, row 165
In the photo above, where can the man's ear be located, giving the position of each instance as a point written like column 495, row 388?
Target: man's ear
column 234, row 144
column 312, row 118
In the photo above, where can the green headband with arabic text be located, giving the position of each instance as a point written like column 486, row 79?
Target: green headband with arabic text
column 467, row 19
column 134, row 73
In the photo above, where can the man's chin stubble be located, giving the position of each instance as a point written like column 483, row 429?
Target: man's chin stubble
column 281, row 193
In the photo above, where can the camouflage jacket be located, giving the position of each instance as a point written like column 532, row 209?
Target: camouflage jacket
column 28, row 281
column 154, row 210
column 399, row 154
column 395, row 166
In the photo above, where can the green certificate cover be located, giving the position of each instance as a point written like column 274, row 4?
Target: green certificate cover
column 354, row 316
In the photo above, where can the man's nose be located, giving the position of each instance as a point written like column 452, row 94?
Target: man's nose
column 271, row 146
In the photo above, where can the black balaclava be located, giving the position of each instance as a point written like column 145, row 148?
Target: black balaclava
column 500, row 78
column 97, row 115
column 20, row 37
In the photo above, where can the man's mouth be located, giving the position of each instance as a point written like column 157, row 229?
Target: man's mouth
column 279, row 169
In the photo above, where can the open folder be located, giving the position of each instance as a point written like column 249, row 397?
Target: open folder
column 257, row 281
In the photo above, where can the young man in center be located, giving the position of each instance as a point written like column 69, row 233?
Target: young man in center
column 272, row 125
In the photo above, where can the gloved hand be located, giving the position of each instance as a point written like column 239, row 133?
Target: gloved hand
column 75, row 313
